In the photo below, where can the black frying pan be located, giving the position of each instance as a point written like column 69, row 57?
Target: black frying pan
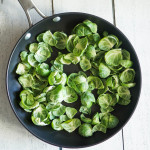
column 65, row 23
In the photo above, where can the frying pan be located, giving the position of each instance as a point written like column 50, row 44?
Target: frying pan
column 65, row 22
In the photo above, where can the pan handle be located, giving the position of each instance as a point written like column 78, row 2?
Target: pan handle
column 27, row 5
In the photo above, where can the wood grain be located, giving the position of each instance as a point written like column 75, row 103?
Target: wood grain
column 13, row 23
column 133, row 18
column 102, row 9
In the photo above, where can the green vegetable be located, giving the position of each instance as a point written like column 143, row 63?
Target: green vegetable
column 56, row 125
column 85, row 130
column 84, row 119
column 40, row 116
column 70, row 112
column 71, row 125
column 47, row 91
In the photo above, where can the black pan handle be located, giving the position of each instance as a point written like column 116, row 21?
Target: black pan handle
column 27, row 5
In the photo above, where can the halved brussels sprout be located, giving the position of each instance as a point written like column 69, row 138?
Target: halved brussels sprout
column 70, row 112
column 56, row 78
column 95, row 119
column 95, row 83
column 124, row 92
column 61, row 39
column 99, row 127
column 70, row 79
column 81, row 30
column 26, row 80
column 85, row 110
column 71, row 95
column 33, row 47
column 85, row 63
column 61, row 59
column 23, row 68
column 57, row 94
column 108, row 42
column 49, row 38
column 63, row 118
column 23, row 56
column 127, row 75
column 56, row 66
column 32, row 61
column 113, row 57
column 90, row 52
column 27, row 100
column 126, row 63
column 80, row 46
column 87, row 99
column 104, row 71
column 85, row 119
column 39, row 38
column 43, row 69
column 85, row 130
column 71, row 125
column 56, row 125
column 59, row 110
column 72, row 58
column 40, row 116
column 92, row 26
column 110, row 121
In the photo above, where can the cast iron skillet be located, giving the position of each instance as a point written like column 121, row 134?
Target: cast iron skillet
column 66, row 24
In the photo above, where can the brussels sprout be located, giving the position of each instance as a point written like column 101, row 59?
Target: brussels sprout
column 26, row 80
column 99, row 127
column 81, row 84
column 70, row 79
column 106, row 100
column 93, row 39
column 103, row 91
column 128, row 85
column 124, row 101
column 99, row 58
column 104, row 71
column 57, row 94
column 94, row 72
column 43, row 69
column 58, row 111
column 27, row 100
column 51, row 116
column 85, row 130
column 85, row 110
column 110, row 121
column 85, row 63
column 33, row 47
column 84, row 119
column 72, row 58
column 113, row 82
column 71, row 95
column 113, row 57
column 127, row 75
column 87, row 99
column 56, row 78
column 95, row 119
column 62, row 60
column 49, row 38
column 70, row 112
column 63, row 118
column 45, row 46
column 70, row 42
column 23, row 56
column 81, row 30
column 95, row 83
column 39, row 38
column 108, row 42
column 40, row 116
column 41, row 97
column 90, row 52
column 82, row 73
column 32, row 61
column 42, row 54
column 57, row 66
column 124, row 92
column 23, row 68
column 56, row 125
column 125, row 54
column 107, row 109
column 61, row 39
column 126, row 63
column 80, row 46
column 71, row 125
column 92, row 26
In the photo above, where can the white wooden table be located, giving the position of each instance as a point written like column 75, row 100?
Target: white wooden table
column 132, row 17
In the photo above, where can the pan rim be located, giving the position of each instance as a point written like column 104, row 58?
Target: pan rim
column 10, row 101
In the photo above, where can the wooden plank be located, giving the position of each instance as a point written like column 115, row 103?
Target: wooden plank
column 133, row 18
column 102, row 9
column 13, row 23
